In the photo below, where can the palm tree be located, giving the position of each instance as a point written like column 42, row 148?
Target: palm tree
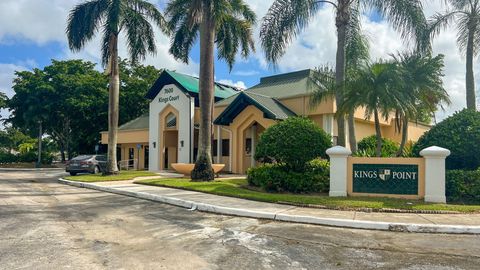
column 226, row 23
column 466, row 16
column 287, row 18
column 424, row 88
column 113, row 16
column 375, row 87
column 357, row 53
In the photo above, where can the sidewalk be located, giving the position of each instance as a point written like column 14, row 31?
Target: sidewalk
column 429, row 223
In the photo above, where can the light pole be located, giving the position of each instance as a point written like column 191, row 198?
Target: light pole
column 39, row 161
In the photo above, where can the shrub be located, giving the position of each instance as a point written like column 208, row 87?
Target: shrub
column 6, row 157
column 278, row 178
column 459, row 133
column 463, row 186
column 368, row 145
column 292, row 142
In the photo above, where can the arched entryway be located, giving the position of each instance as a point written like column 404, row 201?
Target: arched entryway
column 168, row 133
column 251, row 135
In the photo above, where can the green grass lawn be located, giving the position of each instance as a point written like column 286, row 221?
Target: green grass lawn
column 123, row 175
column 236, row 188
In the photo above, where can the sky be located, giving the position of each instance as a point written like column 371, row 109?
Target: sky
column 32, row 32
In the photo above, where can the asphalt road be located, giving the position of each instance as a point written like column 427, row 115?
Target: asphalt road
column 46, row 225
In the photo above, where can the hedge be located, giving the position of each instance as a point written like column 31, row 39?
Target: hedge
column 463, row 186
column 278, row 178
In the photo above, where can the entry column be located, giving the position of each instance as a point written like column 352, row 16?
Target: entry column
column 338, row 170
column 435, row 173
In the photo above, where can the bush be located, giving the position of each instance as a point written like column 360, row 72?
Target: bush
column 459, row 133
column 292, row 142
column 6, row 157
column 278, row 178
column 368, row 145
column 463, row 186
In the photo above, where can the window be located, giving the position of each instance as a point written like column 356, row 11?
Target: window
column 225, row 148
column 101, row 158
column 248, row 146
column 171, row 120
column 214, row 148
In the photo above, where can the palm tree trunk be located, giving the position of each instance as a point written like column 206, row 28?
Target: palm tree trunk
column 404, row 136
column 113, row 97
column 378, row 132
column 470, row 80
column 341, row 22
column 203, row 170
column 351, row 132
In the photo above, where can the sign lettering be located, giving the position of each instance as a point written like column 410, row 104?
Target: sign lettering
column 385, row 179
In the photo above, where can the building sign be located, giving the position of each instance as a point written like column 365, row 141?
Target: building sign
column 169, row 97
column 385, row 178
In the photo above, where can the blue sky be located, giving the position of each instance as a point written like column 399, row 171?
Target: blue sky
column 39, row 37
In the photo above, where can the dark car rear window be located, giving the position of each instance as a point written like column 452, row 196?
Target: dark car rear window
column 101, row 158
column 83, row 157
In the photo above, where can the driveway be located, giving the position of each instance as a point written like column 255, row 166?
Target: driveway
column 46, row 225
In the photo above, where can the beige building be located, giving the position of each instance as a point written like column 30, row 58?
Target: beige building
column 239, row 119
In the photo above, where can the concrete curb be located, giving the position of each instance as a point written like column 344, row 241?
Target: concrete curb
column 346, row 223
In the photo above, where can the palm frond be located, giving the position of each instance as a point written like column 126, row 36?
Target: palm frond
column 148, row 10
column 407, row 17
column 84, row 21
column 284, row 21
column 183, row 40
column 140, row 35
column 323, row 85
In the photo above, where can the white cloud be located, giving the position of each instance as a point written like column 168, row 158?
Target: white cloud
column 43, row 21
column 238, row 84
column 246, row 73
column 316, row 45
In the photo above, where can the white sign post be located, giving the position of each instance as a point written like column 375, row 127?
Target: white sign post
column 338, row 170
column 435, row 173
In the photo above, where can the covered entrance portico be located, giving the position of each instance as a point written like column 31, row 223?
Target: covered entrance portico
column 247, row 117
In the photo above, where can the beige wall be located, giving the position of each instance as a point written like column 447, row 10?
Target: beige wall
column 128, row 136
column 241, row 123
column 139, row 158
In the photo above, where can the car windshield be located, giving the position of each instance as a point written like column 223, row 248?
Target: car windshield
column 83, row 157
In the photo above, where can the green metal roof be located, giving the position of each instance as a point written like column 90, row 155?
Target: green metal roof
column 137, row 123
column 280, row 86
column 190, row 84
column 270, row 107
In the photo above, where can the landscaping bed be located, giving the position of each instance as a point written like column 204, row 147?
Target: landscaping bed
column 239, row 188
column 122, row 176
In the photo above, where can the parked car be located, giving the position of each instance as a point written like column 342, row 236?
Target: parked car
column 86, row 164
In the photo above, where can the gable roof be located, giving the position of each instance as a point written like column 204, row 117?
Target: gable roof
column 188, row 84
column 270, row 107
column 280, row 86
column 137, row 123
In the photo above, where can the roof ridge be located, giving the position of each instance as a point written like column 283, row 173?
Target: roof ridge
column 285, row 76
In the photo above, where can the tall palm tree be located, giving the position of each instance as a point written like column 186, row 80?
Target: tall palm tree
column 224, row 23
column 424, row 88
column 357, row 53
column 465, row 14
column 287, row 18
column 113, row 16
column 375, row 87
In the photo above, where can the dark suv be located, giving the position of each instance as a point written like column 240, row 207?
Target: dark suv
column 86, row 164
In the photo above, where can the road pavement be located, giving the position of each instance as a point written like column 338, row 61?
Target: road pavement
column 46, row 225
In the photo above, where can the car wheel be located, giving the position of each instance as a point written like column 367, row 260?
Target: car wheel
column 96, row 170
column 73, row 173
